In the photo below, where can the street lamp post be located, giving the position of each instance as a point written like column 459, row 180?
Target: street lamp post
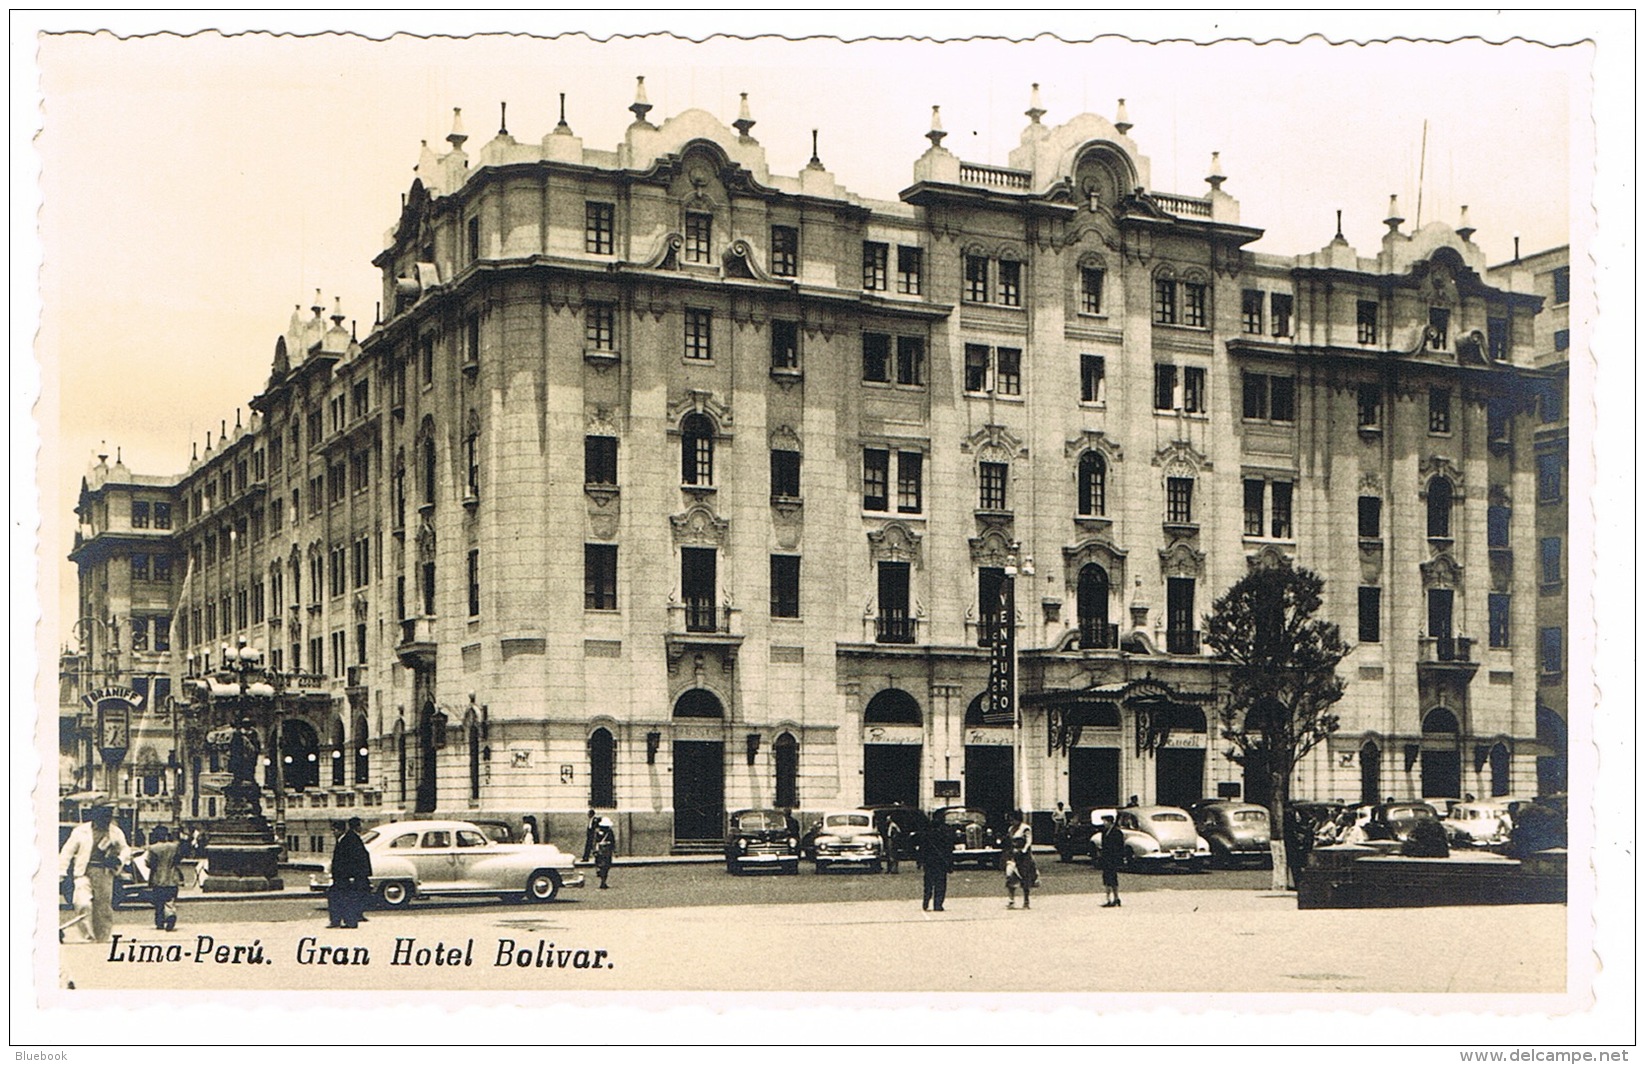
column 243, row 853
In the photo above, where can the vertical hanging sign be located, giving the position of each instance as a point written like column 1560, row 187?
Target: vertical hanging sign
column 1002, row 657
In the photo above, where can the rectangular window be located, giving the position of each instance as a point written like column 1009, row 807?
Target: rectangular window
column 362, row 562
column 976, row 279
column 976, row 368
column 992, row 478
column 1282, row 401
column 139, row 567
column 990, row 584
column 785, row 586
column 360, row 644
column 599, row 227
column 425, row 363
column 1370, row 406
column 1550, row 478
column 910, row 481
column 1439, row 410
column 876, row 479
column 697, row 585
column 600, row 326
column 895, row 625
column 1193, row 390
column 1280, row 527
column 1090, row 290
column 599, row 576
column 1370, row 614
column 139, row 634
column 339, row 570
column 875, row 264
column 1165, row 386
column 339, row 647
column 876, row 358
column 1497, row 604
column 785, row 345
column 257, row 603
column 1254, row 490
column 1165, row 301
column 162, row 515
column 240, row 610
column 1496, row 526
column 1279, row 313
column 1193, row 304
column 785, row 474
column 910, row 267
column 1250, row 311
column 1093, row 386
column 162, row 633
column 474, row 584
column 1496, row 339
column 699, row 333
column 336, row 482
column 600, row 460
column 139, row 514
column 699, row 230
column 1562, row 284
column 1438, row 337
column 160, row 572
column 1008, row 371
column 1011, row 283
column 1370, row 517
column 1551, row 567
column 1562, row 340
column 1365, row 319
column 1255, row 390
column 473, row 239
column 1179, row 500
column 359, row 471
column 910, row 361
column 785, row 251
column 471, row 340
column 1551, row 643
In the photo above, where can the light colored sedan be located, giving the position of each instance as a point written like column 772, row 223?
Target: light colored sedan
column 1477, row 824
column 421, row 859
column 847, row 838
column 1162, row 837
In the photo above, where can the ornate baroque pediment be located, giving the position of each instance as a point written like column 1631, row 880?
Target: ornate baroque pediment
column 1095, row 440
column 994, row 443
column 698, row 526
column 1442, row 571
column 1180, row 459
column 1439, row 465
column 701, row 401
column 1181, row 560
column 894, row 542
column 992, row 548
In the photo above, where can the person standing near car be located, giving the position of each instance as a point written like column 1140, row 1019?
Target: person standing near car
column 1019, row 861
column 936, row 855
column 351, row 875
column 893, row 843
column 92, row 857
column 165, row 876
column 1111, row 855
column 604, row 846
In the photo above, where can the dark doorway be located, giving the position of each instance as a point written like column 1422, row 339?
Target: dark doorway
column 697, row 584
column 602, row 769
column 1093, row 776
column 787, row 757
column 990, row 780
column 699, row 790
column 430, row 738
column 1550, row 768
column 891, row 773
column 1259, row 788
column 299, row 752
column 1370, row 772
column 1441, row 758
column 1179, row 775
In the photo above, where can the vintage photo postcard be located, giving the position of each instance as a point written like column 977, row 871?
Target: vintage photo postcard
column 1101, row 521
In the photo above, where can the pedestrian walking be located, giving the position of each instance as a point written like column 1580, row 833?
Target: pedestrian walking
column 604, row 846
column 936, row 856
column 336, row 903
column 589, row 833
column 893, row 843
column 351, row 875
column 1019, row 861
column 165, row 876
column 528, row 829
column 91, row 858
column 1111, row 855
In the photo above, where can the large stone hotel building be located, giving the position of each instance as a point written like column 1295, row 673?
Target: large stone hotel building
column 669, row 485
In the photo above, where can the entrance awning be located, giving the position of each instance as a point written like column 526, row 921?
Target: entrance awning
column 1155, row 706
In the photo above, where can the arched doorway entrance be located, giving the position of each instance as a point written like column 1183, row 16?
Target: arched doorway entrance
column 1551, row 774
column 431, row 736
column 1179, row 765
column 699, row 772
column 893, row 748
column 602, row 769
column 1500, row 782
column 339, row 747
column 299, row 754
column 1441, row 758
column 990, row 764
column 786, row 753
column 1370, row 772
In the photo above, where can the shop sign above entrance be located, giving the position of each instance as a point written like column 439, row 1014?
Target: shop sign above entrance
column 1185, row 739
column 909, row 734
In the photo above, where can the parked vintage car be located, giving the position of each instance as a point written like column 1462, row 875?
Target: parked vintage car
column 1393, row 820
column 1477, row 824
column 912, row 825
column 1237, row 833
column 846, row 837
column 1162, row 837
column 762, row 839
column 1078, row 838
column 974, row 839
column 420, row 859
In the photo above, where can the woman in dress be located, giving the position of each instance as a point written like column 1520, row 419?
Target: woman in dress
column 1019, row 861
column 1111, row 855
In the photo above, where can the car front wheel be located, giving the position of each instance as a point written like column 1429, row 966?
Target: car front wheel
column 396, row 894
column 542, row 886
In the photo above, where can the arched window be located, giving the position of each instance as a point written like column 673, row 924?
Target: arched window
column 698, row 702
column 1439, row 507
column 602, row 769
column 1441, row 758
column 1499, row 770
column 362, row 752
column 1093, row 477
column 1370, row 773
column 893, row 706
column 425, row 449
column 473, row 761
column 339, row 767
column 400, row 488
column 786, row 752
column 697, row 450
column 1093, row 608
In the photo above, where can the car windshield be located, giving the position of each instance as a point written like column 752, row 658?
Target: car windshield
column 758, row 821
column 1250, row 815
column 963, row 817
column 1168, row 816
column 857, row 820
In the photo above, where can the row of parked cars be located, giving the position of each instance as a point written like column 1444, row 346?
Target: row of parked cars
column 763, row 839
column 1506, row 823
column 1211, row 833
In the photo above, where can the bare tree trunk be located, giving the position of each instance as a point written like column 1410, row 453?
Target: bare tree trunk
column 1277, row 791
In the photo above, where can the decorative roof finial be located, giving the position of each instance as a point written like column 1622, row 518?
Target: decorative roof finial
column 237, row 424
column 1122, row 121
column 1216, row 177
column 193, row 449
column 103, row 455
column 1339, row 225
column 456, row 137
column 318, row 305
column 337, row 312
column 562, row 127
column 1464, row 230
column 641, row 105
column 745, row 121
column 117, row 459
column 1516, row 247
column 1035, row 111
column 1393, row 221
column 815, row 163
column 208, row 441
column 502, row 123
column 936, row 133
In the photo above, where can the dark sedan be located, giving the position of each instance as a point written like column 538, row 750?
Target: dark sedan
column 912, row 825
column 762, row 839
column 973, row 838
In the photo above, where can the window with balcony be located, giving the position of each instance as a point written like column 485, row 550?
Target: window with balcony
column 699, row 334
column 699, row 230
column 1250, row 312
column 910, row 270
column 1091, row 279
column 697, row 450
column 1370, row 614
column 1093, row 379
column 976, row 279
column 785, row 251
column 1279, row 313
column 895, row 621
column 599, row 227
column 992, row 479
column 875, row 266
column 599, row 576
column 876, row 358
column 1365, row 321
column 1497, row 605
column 1010, row 283
column 600, row 460
column 785, row 344
column 785, row 474
column 1439, row 410
column 1440, row 498
column 697, row 588
column 1179, row 500
column 600, row 326
column 785, row 586
column 1093, row 485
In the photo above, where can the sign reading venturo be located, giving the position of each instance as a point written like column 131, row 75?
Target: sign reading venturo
column 1001, row 708
column 113, row 707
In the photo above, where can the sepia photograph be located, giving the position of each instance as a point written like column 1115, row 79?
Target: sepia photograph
column 1095, row 520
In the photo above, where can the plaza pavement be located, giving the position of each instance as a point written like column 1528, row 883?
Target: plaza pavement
column 1160, row 941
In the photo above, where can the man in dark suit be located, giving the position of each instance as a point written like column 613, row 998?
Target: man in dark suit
column 351, row 875
column 936, row 852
